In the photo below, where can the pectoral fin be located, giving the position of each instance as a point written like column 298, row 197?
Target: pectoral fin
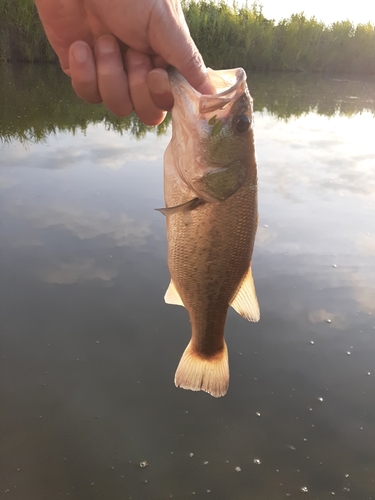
column 184, row 207
column 172, row 296
column 245, row 301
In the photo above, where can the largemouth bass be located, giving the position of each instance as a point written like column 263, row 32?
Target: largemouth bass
column 210, row 187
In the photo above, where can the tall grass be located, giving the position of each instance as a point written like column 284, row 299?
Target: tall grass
column 227, row 36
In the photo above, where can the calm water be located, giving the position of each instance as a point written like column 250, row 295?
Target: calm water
column 89, row 348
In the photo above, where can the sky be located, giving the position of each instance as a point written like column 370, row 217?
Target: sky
column 328, row 11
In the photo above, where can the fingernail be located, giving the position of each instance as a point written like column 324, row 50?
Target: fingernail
column 106, row 44
column 159, row 82
column 80, row 52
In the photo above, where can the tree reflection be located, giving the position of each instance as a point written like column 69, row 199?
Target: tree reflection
column 37, row 100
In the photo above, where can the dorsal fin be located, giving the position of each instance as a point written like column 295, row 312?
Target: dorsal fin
column 172, row 296
column 245, row 301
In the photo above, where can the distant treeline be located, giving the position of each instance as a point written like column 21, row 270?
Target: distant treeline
column 227, row 37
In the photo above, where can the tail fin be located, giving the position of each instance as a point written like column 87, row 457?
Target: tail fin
column 202, row 374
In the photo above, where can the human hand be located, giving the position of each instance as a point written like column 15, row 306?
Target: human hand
column 116, row 52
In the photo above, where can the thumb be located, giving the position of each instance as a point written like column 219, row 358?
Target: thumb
column 172, row 41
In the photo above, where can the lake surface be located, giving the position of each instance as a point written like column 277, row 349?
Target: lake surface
column 89, row 348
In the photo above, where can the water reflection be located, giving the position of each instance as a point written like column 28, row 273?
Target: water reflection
column 89, row 349
column 38, row 100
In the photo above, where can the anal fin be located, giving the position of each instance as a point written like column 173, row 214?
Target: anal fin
column 172, row 296
column 245, row 301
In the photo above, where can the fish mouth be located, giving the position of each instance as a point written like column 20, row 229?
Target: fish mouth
column 229, row 84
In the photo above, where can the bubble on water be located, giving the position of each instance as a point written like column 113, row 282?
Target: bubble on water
column 346, row 489
column 191, row 454
column 334, row 265
column 97, row 341
column 320, row 399
column 143, row 464
column 304, row 489
column 237, row 469
column 257, row 461
column 312, row 342
column 346, row 475
column 257, row 414
column 328, row 321
column 333, row 493
column 208, row 491
column 368, row 373
column 205, row 462
column 291, row 447
column 348, row 353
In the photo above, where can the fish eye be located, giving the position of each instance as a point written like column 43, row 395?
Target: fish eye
column 241, row 123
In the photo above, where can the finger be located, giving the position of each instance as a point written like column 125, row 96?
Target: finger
column 112, row 79
column 138, row 66
column 160, row 88
column 158, row 62
column 83, row 72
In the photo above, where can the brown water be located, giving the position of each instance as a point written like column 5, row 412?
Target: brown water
column 89, row 348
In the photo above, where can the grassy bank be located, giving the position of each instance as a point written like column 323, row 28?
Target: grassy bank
column 227, row 37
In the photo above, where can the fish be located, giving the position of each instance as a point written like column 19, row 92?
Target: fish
column 210, row 190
